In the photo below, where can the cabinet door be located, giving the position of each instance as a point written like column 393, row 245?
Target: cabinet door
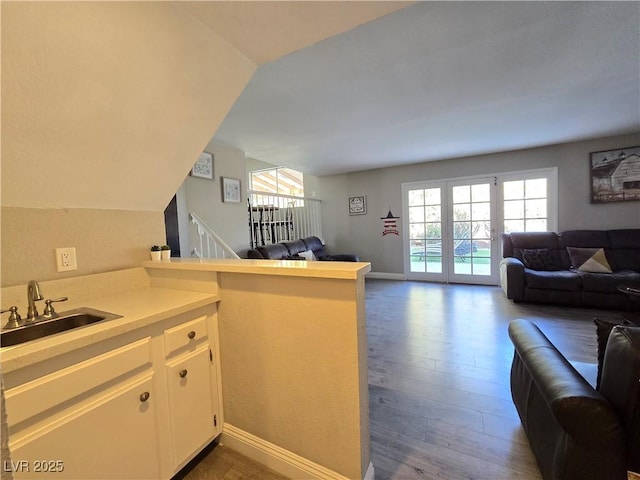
column 112, row 437
column 190, row 401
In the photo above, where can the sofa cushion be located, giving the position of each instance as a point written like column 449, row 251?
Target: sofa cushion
column 532, row 240
column 295, row 247
column 276, row 251
column 620, row 384
column 589, row 260
column 560, row 280
column 580, row 239
column 603, row 329
column 609, row 283
column 625, row 249
column 315, row 244
column 539, row 259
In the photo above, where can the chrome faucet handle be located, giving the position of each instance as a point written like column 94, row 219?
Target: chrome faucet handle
column 14, row 317
column 49, row 312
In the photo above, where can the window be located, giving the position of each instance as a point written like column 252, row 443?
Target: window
column 283, row 181
column 528, row 202
column 276, row 186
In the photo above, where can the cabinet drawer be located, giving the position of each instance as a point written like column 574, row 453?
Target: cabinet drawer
column 187, row 335
column 37, row 396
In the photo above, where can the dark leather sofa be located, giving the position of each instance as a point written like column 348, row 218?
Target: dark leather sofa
column 560, row 283
column 292, row 251
column 575, row 431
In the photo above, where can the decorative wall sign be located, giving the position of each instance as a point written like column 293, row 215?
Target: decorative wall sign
column 358, row 205
column 390, row 224
column 230, row 190
column 203, row 167
column 615, row 175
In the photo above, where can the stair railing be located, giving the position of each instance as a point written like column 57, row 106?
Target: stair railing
column 211, row 245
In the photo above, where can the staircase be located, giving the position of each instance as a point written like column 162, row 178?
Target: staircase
column 211, row 245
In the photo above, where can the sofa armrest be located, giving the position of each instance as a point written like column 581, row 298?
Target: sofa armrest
column 512, row 278
column 254, row 254
column 574, row 432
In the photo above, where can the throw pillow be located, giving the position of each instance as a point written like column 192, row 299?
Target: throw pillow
column 308, row 255
column 603, row 329
column 592, row 260
column 539, row 259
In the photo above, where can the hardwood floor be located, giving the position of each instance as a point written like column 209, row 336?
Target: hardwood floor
column 440, row 404
column 439, row 361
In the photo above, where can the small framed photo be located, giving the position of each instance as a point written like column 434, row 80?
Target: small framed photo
column 357, row 205
column 203, row 168
column 231, row 190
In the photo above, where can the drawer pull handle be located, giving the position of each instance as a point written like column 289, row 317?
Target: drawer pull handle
column 144, row 397
column 191, row 335
column 183, row 373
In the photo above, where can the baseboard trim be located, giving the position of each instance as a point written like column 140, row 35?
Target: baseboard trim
column 371, row 474
column 386, row 276
column 278, row 459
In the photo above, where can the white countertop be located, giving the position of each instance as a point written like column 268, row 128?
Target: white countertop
column 139, row 308
column 292, row 268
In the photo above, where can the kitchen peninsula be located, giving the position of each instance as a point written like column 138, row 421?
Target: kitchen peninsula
column 287, row 377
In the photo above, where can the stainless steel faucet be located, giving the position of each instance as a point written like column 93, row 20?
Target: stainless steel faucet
column 33, row 295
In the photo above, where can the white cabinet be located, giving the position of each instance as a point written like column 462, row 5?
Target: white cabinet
column 190, row 402
column 112, row 437
column 138, row 406
column 191, row 380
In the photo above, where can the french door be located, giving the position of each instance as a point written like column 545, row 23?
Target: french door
column 451, row 233
column 452, row 227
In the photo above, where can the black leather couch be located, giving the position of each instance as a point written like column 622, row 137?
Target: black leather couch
column 559, row 282
column 575, row 431
column 293, row 250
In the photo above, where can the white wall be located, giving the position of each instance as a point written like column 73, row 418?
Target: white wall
column 105, row 107
column 204, row 198
column 362, row 234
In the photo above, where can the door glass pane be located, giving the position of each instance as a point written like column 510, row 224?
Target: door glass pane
column 416, row 197
column 432, row 196
column 472, row 225
column 481, row 211
column 462, row 211
column 480, row 192
column 432, row 213
column 416, row 214
column 461, row 194
column 425, row 230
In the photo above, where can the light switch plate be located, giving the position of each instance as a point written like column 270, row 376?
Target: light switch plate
column 66, row 259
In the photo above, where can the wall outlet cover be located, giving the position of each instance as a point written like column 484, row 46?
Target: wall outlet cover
column 66, row 259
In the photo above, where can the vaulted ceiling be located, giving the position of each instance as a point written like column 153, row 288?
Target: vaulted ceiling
column 437, row 80
column 108, row 104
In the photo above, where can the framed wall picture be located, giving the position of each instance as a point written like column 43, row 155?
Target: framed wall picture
column 357, row 205
column 615, row 175
column 203, row 168
column 231, row 190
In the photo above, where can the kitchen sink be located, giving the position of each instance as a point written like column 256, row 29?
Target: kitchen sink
column 69, row 320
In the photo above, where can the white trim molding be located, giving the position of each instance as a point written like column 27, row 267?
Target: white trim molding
column 386, row 276
column 278, row 459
